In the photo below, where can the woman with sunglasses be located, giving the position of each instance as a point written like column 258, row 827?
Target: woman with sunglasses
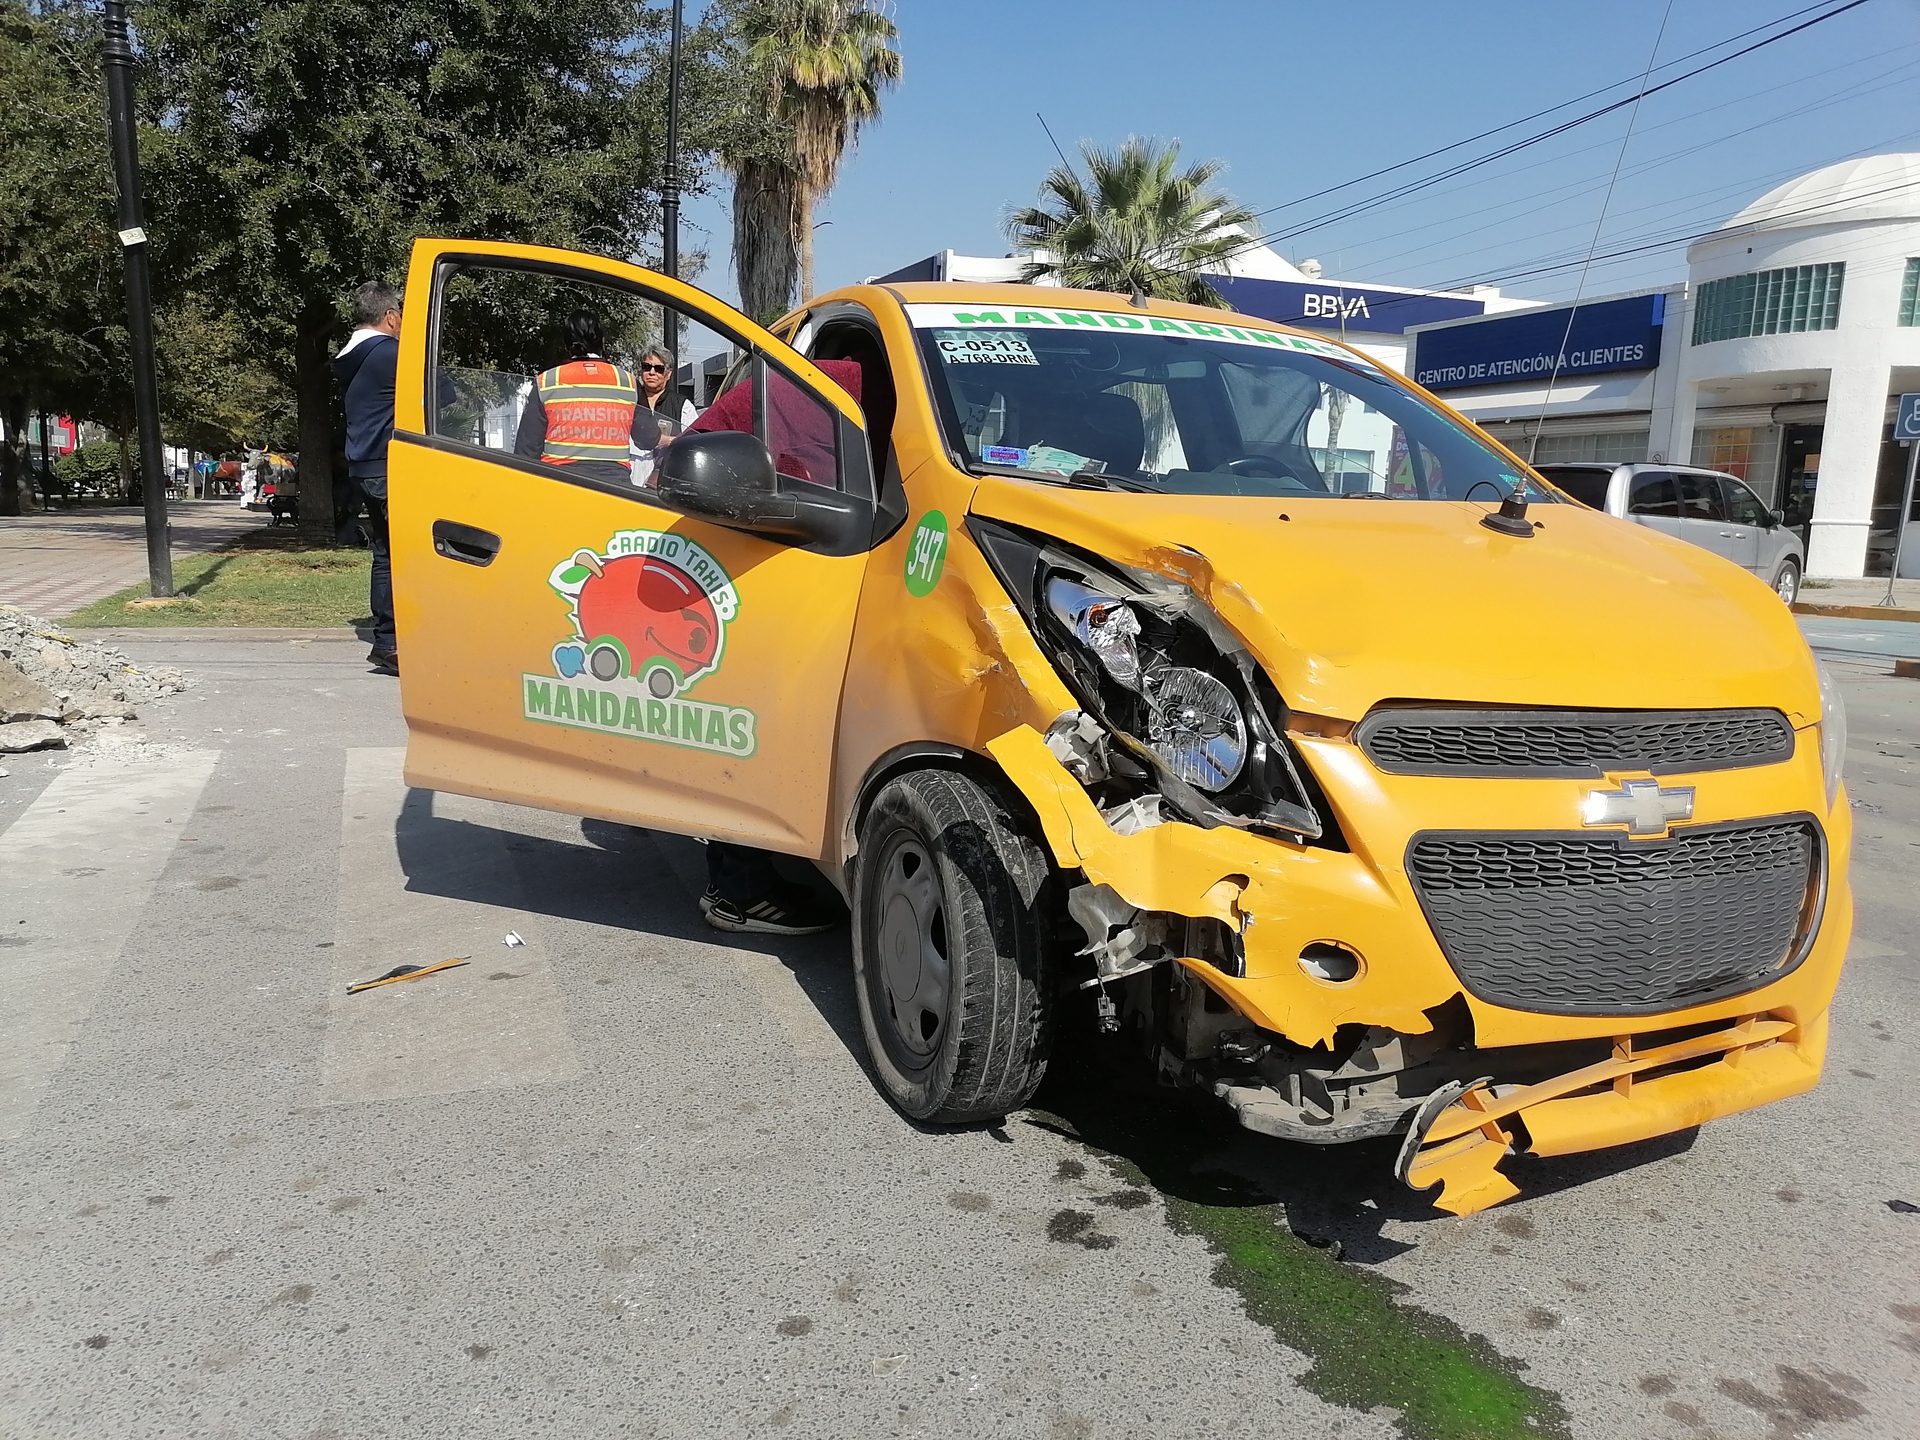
column 656, row 369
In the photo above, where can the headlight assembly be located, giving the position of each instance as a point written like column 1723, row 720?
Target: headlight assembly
column 1833, row 731
column 1175, row 713
column 1194, row 723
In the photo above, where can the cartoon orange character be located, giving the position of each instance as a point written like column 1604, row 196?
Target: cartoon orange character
column 645, row 617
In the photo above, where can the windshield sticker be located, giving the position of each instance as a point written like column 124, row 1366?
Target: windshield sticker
column 952, row 319
column 649, row 620
column 1003, row 454
column 984, row 347
column 927, row 554
column 1052, row 460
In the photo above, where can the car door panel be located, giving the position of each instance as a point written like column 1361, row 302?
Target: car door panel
column 1703, row 515
column 1747, row 529
column 576, row 646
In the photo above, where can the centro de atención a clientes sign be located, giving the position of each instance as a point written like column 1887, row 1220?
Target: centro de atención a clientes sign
column 1541, row 344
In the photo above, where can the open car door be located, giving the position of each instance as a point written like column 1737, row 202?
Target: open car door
column 573, row 639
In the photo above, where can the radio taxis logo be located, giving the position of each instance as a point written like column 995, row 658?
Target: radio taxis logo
column 649, row 620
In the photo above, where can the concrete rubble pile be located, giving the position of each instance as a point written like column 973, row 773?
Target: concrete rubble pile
column 54, row 687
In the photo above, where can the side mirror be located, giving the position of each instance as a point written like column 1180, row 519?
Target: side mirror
column 1776, row 518
column 728, row 478
column 717, row 474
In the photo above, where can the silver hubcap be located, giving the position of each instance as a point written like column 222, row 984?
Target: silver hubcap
column 1788, row 585
column 914, row 971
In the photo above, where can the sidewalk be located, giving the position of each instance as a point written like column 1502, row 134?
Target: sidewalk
column 1860, row 599
column 53, row 563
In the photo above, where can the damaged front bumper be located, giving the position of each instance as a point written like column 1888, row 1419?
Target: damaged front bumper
column 1468, row 1082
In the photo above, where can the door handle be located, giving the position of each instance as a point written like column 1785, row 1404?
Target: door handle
column 466, row 543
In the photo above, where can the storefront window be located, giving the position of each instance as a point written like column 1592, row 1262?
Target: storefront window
column 1750, row 452
column 1628, row 448
column 1910, row 295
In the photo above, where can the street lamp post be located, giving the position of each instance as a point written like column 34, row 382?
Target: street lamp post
column 670, row 199
column 116, row 52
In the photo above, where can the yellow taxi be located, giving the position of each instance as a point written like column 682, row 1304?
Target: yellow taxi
column 1151, row 668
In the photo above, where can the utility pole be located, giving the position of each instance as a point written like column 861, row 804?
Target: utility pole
column 116, row 51
column 670, row 208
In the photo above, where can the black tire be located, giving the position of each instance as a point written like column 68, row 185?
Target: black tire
column 1787, row 576
column 948, row 895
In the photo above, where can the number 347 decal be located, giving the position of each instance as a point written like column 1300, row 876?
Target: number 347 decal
column 927, row 553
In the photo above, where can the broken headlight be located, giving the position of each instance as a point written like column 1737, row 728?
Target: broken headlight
column 1176, row 719
column 1193, row 723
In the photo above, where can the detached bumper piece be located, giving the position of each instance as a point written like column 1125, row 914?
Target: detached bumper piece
column 1457, row 1138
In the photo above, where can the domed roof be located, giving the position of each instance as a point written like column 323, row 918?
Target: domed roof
column 1877, row 187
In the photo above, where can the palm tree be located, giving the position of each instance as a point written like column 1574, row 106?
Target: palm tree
column 825, row 63
column 1136, row 224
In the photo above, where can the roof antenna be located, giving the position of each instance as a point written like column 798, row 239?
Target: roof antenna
column 1511, row 517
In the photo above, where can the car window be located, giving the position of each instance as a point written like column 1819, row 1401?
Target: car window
column 566, row 369
column 1144, row 403
column 1589, row 487
column 1652, row 493
column 1743, row 506
column 1700, row 498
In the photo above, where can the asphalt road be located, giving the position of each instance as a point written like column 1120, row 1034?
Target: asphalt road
column 628, row 1180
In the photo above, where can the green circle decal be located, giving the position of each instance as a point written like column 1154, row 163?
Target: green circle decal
column 927, row 554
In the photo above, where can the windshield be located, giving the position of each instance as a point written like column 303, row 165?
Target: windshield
column 1138, row 402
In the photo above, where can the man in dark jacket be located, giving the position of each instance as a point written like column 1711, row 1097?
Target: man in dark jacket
column 365, row 367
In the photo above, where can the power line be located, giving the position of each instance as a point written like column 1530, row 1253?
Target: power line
column 1526, row 119
column 1673, row 240
column 1693, row 200
column 1891, row 77
column 1463, row 167
column 1599, row 224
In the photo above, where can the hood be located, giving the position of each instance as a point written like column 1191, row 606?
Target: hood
column 1348, row 603
column 354, row 353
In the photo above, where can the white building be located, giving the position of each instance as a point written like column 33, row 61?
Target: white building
column 1778, row 360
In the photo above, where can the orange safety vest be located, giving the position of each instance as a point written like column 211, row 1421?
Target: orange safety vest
column 589, row 405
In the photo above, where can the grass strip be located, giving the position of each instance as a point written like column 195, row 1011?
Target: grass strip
column 266, row 578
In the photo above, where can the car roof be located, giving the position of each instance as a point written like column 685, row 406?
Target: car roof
column 958, row 292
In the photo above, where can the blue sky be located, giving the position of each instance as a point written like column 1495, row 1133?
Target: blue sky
column 1296, row 97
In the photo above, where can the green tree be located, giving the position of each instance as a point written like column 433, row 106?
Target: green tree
column 1137, row 224
column 63, row 341
column 823, row 64
column 60, row 336
column 309, row 142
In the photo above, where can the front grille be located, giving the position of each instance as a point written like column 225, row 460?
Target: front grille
column 1577, row 744
column 1576, row 924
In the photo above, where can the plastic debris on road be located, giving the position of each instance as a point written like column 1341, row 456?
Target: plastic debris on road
column 405, row 972
column 514, row 940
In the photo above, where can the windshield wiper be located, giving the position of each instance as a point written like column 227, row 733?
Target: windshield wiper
column 1079, row 480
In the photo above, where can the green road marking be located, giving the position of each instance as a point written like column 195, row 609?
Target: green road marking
column 1229, row 1187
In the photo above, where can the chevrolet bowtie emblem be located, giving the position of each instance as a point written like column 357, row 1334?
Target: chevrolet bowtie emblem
column 1640, row 805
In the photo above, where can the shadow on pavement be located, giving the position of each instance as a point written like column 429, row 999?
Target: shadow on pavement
column 1098, row 1090
column 624, row 878
column 1186, row 1144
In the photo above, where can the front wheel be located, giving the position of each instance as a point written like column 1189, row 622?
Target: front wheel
column 950, row 964
column 1786, row 584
